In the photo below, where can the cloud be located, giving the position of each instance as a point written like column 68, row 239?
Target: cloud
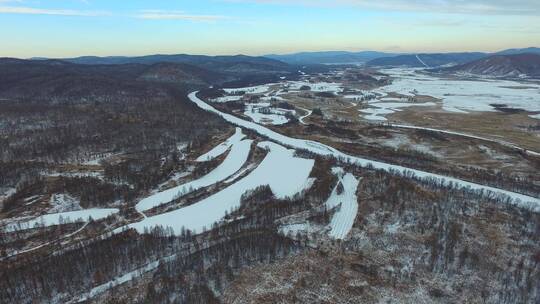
column 491, row 7
column 44, row 11
column 177, row 15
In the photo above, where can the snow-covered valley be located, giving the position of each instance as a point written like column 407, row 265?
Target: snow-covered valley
column 321, row 149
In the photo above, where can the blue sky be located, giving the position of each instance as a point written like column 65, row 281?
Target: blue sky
column 64, row 28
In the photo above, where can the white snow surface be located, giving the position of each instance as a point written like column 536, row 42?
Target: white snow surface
column 293, row 229
column 463, row 96
column 223, row 147
column 275, row 116
column 227, row 98
column 52, row 219
column 537, row 116
column 383, row 108
column 61, row 202
column 233, row 162
column 250, row 90
column 532, row 203
column 286, row 175
column 346, row 202
column 333, row 87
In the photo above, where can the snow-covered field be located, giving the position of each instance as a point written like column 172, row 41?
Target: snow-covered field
column 223, row 147
column 272, row 172
column 316, row 87
column 383, row 108
column 78, row 216
column 236, row 158
column 525, row 201
column 346, row 202
column 227, row 98
column 464, row 96
column 275, row 116
column 260, row 89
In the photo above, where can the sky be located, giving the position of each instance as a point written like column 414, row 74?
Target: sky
column 69, row 28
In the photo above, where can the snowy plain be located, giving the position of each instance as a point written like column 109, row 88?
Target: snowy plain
column 464, row 96
column 384, row 108
column 333, row 87
column 275, row 116
column 260, row 89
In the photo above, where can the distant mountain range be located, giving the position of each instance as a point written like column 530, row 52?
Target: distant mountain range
column 332, row 57
column 241, row 70
column 515, row 65
column 239, row 64
column 381, row 59
column 108, row 77
column 530, row 50
column 425, row 60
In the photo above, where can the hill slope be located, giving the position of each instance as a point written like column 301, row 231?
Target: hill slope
column 530, row 50
column 226, row 64
column 425, row 60
column 332, row 57
column 520, row 65
column 64, row 81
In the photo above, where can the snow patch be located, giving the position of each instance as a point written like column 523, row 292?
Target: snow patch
column 61, row 202
column 250, row 90
column 47, row 220
column 346, row 203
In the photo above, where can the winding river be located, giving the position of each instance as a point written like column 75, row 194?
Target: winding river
column 522, row 200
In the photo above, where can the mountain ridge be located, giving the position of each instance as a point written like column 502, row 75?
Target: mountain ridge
column 512, row 66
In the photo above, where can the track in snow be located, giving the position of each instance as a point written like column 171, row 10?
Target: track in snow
column 301, row 119
column 421, row 61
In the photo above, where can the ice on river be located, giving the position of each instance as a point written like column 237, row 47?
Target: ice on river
column 223, row 147
column 525, row 201
column 233, row 162
column 286, row 175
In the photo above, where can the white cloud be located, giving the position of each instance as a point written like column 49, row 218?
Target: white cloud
column 44, row 11
column 493, row 7
column 177, row 15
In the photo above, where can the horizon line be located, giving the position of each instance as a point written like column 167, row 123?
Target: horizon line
column 263, row 55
